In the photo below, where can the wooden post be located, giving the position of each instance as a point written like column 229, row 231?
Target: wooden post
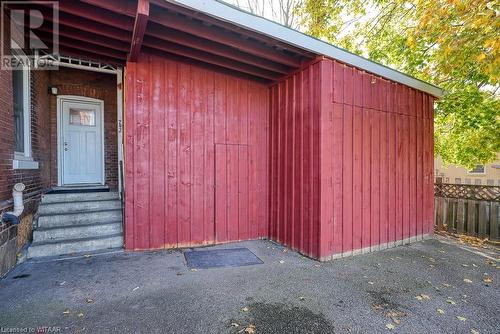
column 460, row 216
column 471, row 218
column 494, row 235
column 439, row 213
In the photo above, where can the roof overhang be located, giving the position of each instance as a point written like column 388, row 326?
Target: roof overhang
column 235, row 16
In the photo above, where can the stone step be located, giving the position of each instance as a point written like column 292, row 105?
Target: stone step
column 53, row 248
column 70, row 207
column 79, row 197
column 77, row 231
column 79, row 218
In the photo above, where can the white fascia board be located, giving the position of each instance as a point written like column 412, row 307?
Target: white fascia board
column 233, row 15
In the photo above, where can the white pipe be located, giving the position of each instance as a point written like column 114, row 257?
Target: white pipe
column 17, row 193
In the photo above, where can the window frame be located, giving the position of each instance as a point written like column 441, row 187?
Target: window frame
column 471, row 172
column 24, row 160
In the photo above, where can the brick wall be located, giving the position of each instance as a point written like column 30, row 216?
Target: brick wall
column 36, row 181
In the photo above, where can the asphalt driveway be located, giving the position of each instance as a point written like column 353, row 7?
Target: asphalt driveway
column 432, row 286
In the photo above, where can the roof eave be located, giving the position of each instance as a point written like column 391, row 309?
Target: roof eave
column 293, row 37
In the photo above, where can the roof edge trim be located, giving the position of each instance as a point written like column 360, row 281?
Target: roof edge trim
column 238, row 17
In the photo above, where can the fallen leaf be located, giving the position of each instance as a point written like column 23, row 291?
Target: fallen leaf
column 390, row 326
column 487, row 279
column 446, row 285
column 473, row 331
column 89, row 300
column 66, row 311
column 466, row 280
column 461, row 318
column 87, row 255
column 302, row 298
column 371, row 283
column 317, row 265
column 194, row 269
column 285, row 250
column 234, row 324
column 281, row 261
column 250, row 329
column 136, row 288
column 423, row 297
column 451, row 301
column 377, row 307
column 465, row 265
column 80, row 315
column 62, row 283
column 440, row 311
column 245, row 309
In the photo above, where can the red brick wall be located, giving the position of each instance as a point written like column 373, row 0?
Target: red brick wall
column 36, row 180
column 95, row 85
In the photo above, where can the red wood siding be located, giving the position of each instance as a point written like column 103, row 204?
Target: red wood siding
column 351, row 164
column 376, row 162
column 196, row 156
column 294, row 162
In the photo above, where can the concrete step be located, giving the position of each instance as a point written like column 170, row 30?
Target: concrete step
column 77, row 231
column 79, row 197
column 52, row 248
column 79, row 218
column 70, row 207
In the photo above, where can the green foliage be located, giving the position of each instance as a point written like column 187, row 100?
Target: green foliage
column 454, row 44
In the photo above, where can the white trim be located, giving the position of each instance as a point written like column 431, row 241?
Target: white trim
column 26, row 87
column 119, row 120
column 75, row 98
column 72, row 62
column 284, row 34
column 24, row 164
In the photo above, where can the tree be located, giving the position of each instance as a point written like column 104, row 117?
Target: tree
column 454, row 44
column 281, row 11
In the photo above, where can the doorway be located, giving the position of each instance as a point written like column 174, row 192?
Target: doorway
column 80, row 140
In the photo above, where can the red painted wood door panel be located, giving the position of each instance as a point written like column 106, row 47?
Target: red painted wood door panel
column 231, row 192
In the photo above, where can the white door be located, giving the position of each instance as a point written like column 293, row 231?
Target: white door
column 81, row 142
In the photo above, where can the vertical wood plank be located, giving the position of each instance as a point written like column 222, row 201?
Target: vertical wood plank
column 471, row 218
column 243, row 229
column 481, row 220
column 130, row 96
column 171, row 89
column 461, row 216
column 157, row 135
column 494, row 221
column 357, row 177
column 185, row 155
column 221, row 193
column 375, row 177
column 232, row 201
column 347, row 166
column 142, row 164
column 338, row 153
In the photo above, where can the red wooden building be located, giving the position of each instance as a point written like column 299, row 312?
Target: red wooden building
column 237, row 128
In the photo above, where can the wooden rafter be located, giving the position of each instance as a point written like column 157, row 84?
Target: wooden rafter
column 141, row 21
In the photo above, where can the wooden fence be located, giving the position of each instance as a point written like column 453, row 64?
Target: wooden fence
column 472, row 210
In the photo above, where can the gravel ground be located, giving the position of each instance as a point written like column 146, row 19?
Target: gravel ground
column 433, row 286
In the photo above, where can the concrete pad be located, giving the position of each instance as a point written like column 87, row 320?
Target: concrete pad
column 155, row 292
